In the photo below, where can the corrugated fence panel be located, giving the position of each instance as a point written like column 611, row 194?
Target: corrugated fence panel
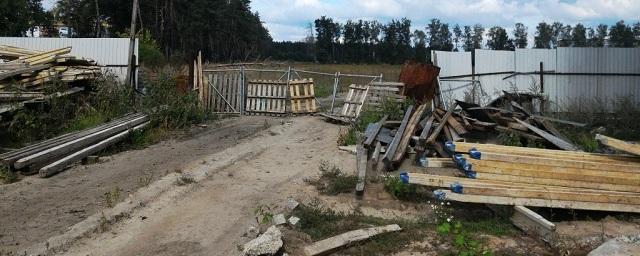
column 453, row 64
column 488, row 61
column 111, row 52
column 586, row 77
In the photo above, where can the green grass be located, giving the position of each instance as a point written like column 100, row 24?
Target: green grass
column 321, row 223
column 405, row 192
column 333, row 181
column 492, row 226
column 7, row 176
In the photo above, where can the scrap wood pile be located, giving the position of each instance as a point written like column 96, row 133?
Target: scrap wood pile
column 506, row 175
column 24, row 73
column 53, row 155
column 373, row 95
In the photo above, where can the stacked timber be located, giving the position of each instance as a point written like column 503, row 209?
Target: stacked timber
column 24, row 73
column 53, row 155
column 504, row 175
column 29, row 70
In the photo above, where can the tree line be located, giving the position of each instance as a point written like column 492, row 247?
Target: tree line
column 394, row 42
column 224, row 30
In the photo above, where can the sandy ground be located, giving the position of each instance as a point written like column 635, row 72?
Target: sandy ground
column 35, row 209
column 211, row 219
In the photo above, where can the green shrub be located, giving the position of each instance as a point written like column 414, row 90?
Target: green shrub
column 168, row 107
column 333, row 181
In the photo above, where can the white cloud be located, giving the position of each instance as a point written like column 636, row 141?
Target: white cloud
column 287, row 19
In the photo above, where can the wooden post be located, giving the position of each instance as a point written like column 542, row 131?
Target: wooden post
column 132, row 43
column 335, row 90
column 473, row 76
column 541, row 77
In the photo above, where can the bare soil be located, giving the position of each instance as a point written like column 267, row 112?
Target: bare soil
column 35, row 209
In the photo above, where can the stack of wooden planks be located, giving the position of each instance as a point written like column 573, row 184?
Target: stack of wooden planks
column 506, row 175
column 29, row 70
column 53, row 155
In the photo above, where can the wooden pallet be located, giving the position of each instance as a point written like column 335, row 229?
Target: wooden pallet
column 354, row 102
column 381, row 92
column 305, row 102
column 266, row 97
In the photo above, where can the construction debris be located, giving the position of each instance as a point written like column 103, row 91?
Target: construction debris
column 52, row 156
column 332, row 243
column 268, row 243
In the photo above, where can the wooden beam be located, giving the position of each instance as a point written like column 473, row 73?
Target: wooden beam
column 408, row 133
column 553, row 139
column 434, row 135
column 369, row 141
column 498, row 167
column 602, row 197
column 446, row 182
column 426, row 128
column 392, row 147
column 619, row 144
column 60, row 164
column 74, row 145
column 559, row 161
column 519, row 133
column 532, row 223
column 376, row 153
column 361, row 166
column 558, row 182
column 453, row 123
column 464, row 147
column 448, row 195
column 332, row 243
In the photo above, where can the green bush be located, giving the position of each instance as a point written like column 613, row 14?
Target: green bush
column 168, row 107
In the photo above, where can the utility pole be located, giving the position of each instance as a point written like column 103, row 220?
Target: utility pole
column 132, row 43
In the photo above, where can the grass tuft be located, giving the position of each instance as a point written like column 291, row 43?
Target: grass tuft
column 333, row 181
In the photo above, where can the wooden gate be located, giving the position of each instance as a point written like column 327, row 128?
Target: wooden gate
column 266, row 97
column 226, row 90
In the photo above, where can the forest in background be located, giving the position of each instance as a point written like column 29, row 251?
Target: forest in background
column 228, row 30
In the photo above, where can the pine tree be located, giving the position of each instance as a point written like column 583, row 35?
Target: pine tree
column 621, row 35
column 544, row 35
column 457, row 37
column 579, row 36
column 497, row 39
column 468, row 39
column 478, row 33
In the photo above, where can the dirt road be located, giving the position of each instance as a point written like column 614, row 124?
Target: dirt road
column 35, row 209
column 212, row 216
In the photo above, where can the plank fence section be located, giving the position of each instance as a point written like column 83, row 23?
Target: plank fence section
column 302, row 94
column 225, row 92
column 266, row 97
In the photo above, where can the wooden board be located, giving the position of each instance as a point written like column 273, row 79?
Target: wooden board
column 619, row 144
column 379, row 93
column 408, row 133
column 332, row 243
column 532, row 223
column 391, row 149
column 302, row 94
column 361, row 166
column 560, row 143
column 448, row 195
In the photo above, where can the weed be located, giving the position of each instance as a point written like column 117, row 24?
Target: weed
column 104, row 223
column 509, row 139
column 169, row 108
column 145, row 180
column 7, row 176
column 263, row 214
column 185, row 180
column 319, row 223
column 404, row 191
column 394, row 110
column 112, row 197
column 333, row 181
column 266, row 125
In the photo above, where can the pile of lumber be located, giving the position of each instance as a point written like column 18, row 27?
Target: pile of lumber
column 504, row 175
column 53, row 155
column 24, row 75
column 29, row 70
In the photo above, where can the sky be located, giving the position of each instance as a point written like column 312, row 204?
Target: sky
column 288, row 19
